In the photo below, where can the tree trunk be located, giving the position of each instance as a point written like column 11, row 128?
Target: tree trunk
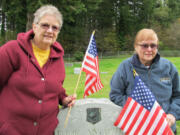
column 29, row 21
column 3, row 24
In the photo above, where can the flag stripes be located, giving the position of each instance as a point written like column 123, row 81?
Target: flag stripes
column 139, row 121
column 135, row 117
column 138, row 110
column 91, row 67
column 142, row 121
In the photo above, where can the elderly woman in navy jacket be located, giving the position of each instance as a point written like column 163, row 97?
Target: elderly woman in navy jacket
column 31, row 78
column 159, row 74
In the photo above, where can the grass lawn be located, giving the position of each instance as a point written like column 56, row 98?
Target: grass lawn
column 107, row 67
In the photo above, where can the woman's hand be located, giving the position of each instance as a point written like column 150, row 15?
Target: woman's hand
column 170, row 119
column 69, row 100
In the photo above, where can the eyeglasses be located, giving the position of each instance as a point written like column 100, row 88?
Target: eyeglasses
column 146, row 46
column 46, row 26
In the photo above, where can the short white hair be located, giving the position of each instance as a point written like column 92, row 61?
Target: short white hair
column 48, row 10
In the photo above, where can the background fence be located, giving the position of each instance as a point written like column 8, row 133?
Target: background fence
column 104, row 55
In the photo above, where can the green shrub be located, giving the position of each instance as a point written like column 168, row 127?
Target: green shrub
column 78, row 56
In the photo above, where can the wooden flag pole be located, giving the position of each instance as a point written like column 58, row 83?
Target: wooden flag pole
column 68, row 114
column 67, row 117
column 75, row 90
column 93, row 32
column 78, row 81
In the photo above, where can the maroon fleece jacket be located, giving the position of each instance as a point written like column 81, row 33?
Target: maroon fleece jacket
column 29, row 95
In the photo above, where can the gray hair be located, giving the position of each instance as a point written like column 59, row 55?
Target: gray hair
column 48, row 10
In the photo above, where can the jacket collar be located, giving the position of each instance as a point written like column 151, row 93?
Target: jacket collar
column 136, row 62
column 24, row 41
column 56, row 50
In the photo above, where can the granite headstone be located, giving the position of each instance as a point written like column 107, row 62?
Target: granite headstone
column 90, row 117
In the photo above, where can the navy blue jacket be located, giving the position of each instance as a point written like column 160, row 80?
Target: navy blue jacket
column 162, row 79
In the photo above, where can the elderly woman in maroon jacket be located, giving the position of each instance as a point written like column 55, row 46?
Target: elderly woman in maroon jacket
column 31, row 78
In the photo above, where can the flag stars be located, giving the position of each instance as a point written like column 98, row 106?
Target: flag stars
column 143, row 95
column 92, row 48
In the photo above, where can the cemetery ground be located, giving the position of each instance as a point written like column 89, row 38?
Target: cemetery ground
column 107, row 67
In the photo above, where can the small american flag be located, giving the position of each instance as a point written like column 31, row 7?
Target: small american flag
column 142, row 115
column 91, row 67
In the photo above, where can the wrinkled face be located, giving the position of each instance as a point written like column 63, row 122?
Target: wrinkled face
column 146, row 51
column 46, row 31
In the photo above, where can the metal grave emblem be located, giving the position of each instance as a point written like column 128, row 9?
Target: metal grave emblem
column 93, row 115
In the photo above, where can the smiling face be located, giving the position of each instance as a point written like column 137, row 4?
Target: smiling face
column 146, row 46
column 46, row 31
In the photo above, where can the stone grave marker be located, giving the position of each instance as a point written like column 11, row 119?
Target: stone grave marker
column 77, row 70
column 69, row 64
column 90, row 117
